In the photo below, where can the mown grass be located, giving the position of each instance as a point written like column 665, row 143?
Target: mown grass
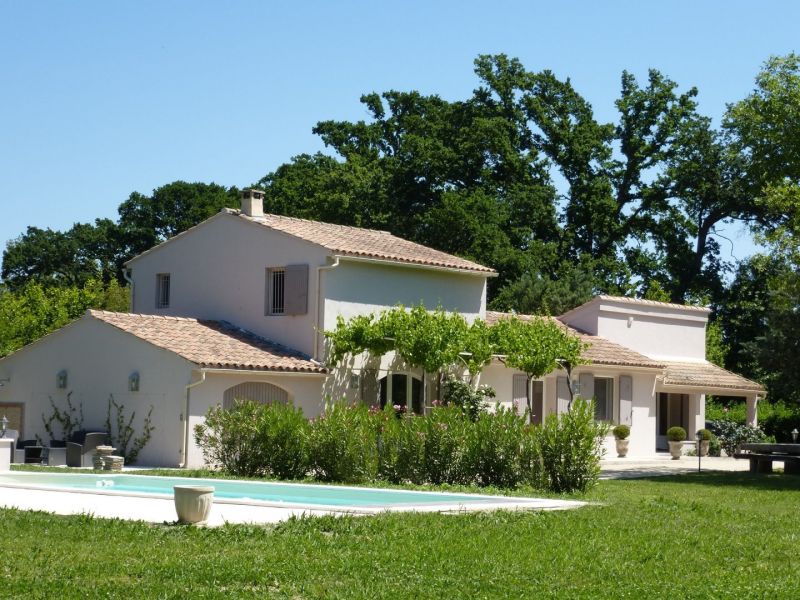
column 711, row 535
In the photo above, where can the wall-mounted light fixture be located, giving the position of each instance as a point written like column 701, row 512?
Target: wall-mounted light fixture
column 61, row 380
column 3, row 426
column 133, row 382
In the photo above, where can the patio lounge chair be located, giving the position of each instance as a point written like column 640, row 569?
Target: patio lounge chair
column 31, row 451
column 34, row 455
column 56, row 453
column 81, row 447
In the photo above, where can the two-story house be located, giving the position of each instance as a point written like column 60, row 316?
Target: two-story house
column 237, row 306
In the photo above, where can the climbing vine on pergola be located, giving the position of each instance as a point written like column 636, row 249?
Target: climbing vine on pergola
column 436, row 340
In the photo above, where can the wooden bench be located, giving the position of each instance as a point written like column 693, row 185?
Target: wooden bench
column 761, row 457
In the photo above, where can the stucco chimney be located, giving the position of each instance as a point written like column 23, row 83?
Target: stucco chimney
column 253, row 202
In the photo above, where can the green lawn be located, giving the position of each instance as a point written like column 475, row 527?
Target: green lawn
column 729, row 535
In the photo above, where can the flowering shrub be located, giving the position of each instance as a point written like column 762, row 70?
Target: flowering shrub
column 472, row 401
column 731, row 435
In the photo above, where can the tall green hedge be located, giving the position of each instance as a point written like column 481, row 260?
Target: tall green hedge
column 355, row 444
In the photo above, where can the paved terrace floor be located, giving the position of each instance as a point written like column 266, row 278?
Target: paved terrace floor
column 632, row 467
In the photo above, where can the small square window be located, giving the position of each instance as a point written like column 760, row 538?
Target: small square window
column 162, row 290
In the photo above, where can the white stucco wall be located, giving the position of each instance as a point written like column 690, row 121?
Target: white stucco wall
column 99, row 359
column 356, row 288
column 304, row 391
column 643, row 429
column 658, row 331
column 218, row 271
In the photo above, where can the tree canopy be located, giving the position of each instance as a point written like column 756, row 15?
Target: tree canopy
column 523, row 176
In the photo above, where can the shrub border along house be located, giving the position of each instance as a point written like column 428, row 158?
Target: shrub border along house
column 355, row 444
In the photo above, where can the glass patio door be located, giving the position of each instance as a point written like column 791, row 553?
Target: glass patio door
column 671, row 410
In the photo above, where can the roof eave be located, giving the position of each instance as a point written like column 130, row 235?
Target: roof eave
column 262, row 371
column 415, row 265
column 711, row 389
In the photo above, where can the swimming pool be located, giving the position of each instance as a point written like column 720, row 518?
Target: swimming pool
column 287, row 495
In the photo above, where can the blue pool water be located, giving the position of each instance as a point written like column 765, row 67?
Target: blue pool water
column 266, row 492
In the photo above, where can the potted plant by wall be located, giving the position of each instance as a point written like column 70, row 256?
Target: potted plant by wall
column 705, row 440
column 676, row 436
column 621, row 435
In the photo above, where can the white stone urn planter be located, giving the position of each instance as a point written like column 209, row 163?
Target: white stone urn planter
column 193, row 503
column 676, row 449
column 622, row 448
column 704, row 446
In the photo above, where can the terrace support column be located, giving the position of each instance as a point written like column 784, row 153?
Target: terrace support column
column 752, row 412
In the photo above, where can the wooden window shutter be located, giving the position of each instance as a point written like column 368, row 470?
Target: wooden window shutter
column 625, row 399
column 370, row 388
column 519, row 385
column 586, row 381
column 296, row 290
column 562, row 395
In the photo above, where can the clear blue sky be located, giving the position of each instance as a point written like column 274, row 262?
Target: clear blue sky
column 99, row 99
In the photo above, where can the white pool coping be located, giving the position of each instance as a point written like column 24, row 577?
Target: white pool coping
column 160, row 508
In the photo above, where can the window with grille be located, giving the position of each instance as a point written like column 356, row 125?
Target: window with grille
column 162, row 290
column 287, row 290
column 276, row 291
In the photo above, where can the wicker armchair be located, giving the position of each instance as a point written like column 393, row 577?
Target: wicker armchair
column 81, row 447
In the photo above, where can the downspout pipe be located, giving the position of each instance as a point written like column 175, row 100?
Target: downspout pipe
column 126, row 273
column 185, row 417
column 318, row 308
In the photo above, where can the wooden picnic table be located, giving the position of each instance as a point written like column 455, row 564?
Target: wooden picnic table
column 761, row 457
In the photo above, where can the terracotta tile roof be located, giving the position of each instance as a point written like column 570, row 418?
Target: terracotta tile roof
column 364, row 243
column 600, row 351
column 707, row 375
column 679, row 374
column 210, row 344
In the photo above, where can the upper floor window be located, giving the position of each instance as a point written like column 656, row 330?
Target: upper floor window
column 603, row 398
column 277, row 290
column 162, row 290
column 287, row 290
